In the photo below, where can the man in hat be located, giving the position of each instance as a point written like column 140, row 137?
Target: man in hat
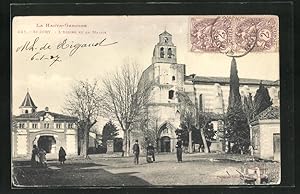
column 136, row 152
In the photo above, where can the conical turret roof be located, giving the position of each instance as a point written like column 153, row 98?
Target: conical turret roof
column 28, row 102
column 165, row 33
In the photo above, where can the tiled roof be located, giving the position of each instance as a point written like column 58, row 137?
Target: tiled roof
column 273, row 112
column 37, row 115
column 226, row 80
column 28, row 102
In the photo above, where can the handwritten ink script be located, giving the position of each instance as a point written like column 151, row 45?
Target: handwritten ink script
column 234, row 34
column 40, row 49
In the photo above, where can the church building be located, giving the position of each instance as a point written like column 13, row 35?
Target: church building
column 210, row 93
column 46, row 129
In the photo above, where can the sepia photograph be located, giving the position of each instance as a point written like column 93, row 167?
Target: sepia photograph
column 160, row 100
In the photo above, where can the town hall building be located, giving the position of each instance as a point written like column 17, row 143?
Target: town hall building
column 46, row 129
column 210, row 93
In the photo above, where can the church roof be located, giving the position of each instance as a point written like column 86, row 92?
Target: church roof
column 272, row 112
column 36, row 116
column 226, row 80
column 165, row 33
column 28, row 102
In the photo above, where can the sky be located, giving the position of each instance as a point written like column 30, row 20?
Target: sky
column 135, row 38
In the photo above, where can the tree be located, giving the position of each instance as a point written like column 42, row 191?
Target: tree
column 204, row 123
column 83, row 103
column 109, row 132
column 237, row 128
column 125, row 96
column 187, row 116
column 192, row 119
column 262, row 99
column 249, row 107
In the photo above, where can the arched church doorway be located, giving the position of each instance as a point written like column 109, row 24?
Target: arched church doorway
column 48, row 143
column 165, row 144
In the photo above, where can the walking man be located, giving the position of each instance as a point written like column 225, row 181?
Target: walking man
column 179, row 151
column 136, row 152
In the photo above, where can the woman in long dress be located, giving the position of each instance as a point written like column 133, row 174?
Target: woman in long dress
column 35, row 156
column 42, row 156
column 62, row 155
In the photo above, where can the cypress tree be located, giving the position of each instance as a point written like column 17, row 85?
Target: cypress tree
column 237, row 128
column 262, row 99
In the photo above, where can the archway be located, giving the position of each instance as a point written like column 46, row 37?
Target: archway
column 165, row 144
column 48, row 143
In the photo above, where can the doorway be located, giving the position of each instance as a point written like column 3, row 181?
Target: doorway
column 48, row 143
column 165, row 144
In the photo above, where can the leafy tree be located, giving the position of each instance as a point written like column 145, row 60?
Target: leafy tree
column 262, row 99
column 192, row 120
column 249, row 107
column 237, row 128
column 109, row 132
column 205, row 119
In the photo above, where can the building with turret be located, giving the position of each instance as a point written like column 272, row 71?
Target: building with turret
column 46, row 129
column 210, row 94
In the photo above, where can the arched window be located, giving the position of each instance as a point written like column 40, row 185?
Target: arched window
column 26, row 111
column 171, row 94
column 162, row 52
column 173, row 78
column 169, row 53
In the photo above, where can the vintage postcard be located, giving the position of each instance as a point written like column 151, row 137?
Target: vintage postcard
column 113, row 101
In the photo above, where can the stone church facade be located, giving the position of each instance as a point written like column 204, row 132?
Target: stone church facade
column 211, row 93
column 47, row 130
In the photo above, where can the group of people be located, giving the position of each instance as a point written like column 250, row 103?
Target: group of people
column 150, row 157
column 38, row 156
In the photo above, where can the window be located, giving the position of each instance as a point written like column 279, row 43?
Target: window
column 169, row 53
column 46, row 125
column 21, row 125
column 173, row 78
column 26, row 111
column 162, row 53
column 34, row 125
column 171, row 94
column 58, row 125
column 70, row 125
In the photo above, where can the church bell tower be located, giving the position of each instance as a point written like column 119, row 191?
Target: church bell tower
column 164, row 50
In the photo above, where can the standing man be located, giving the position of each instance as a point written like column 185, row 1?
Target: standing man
column 136, row 152
column 179, row 150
